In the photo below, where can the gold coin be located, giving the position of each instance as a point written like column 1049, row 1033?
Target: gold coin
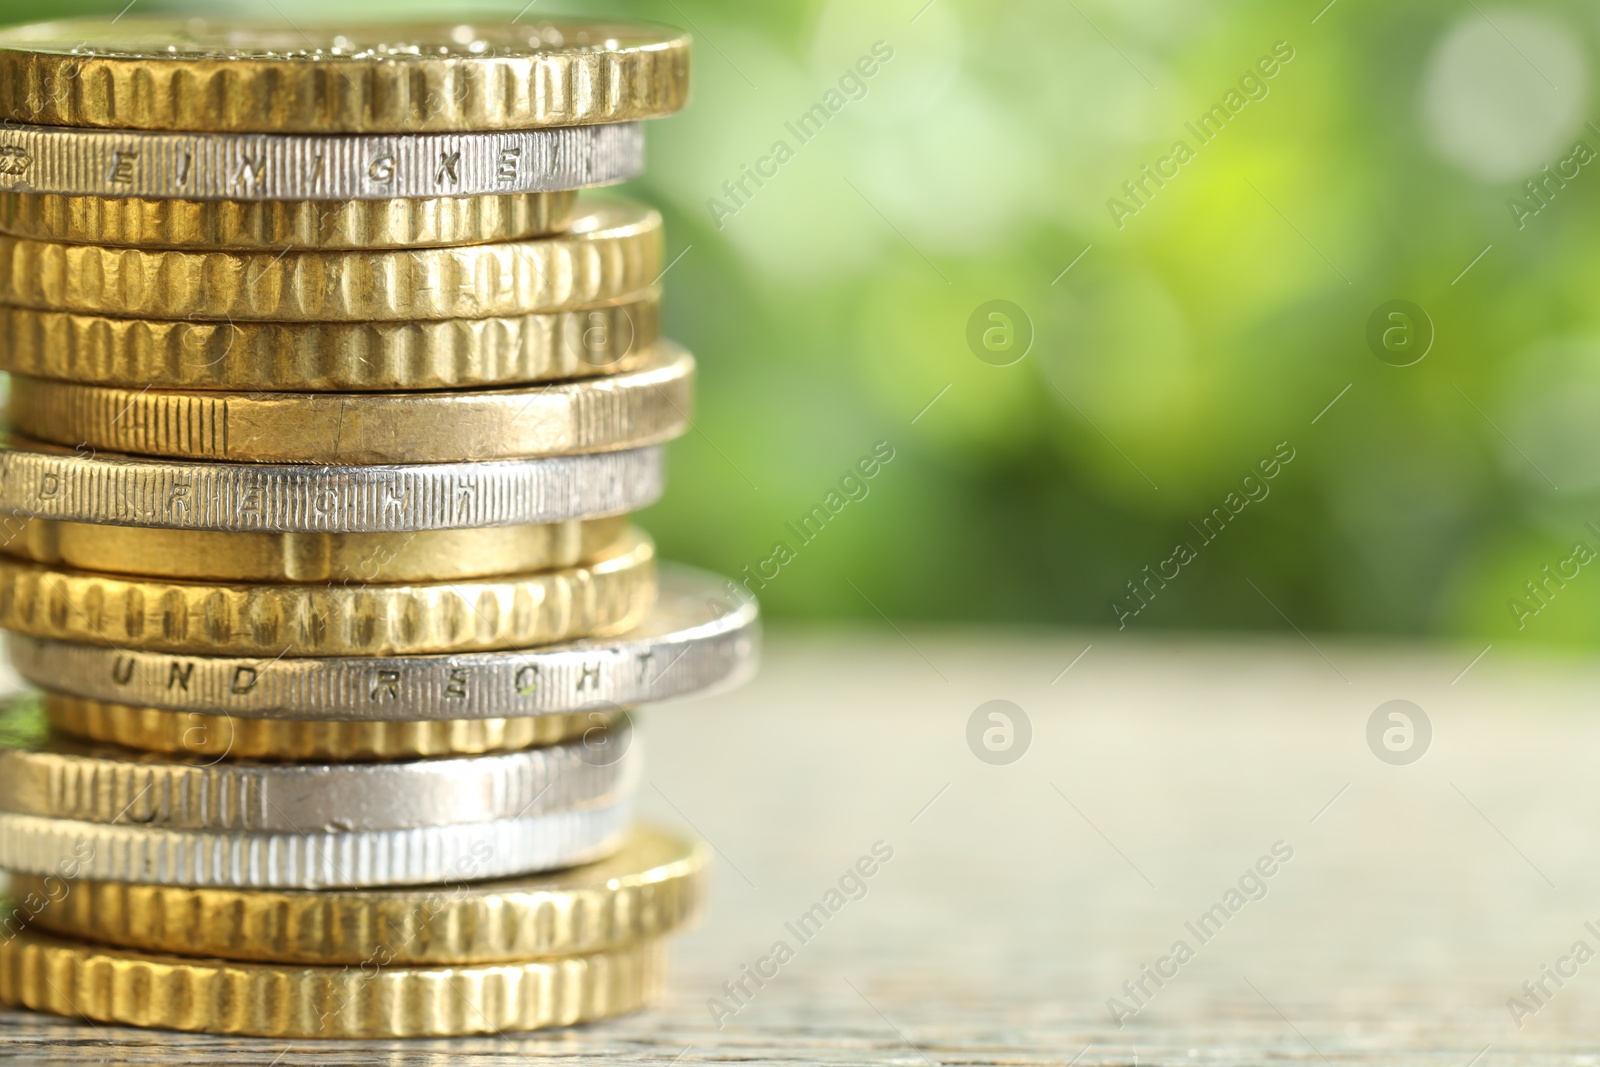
column 653, row 885
column 110, row 985
column 305, row 740
column 613, row 249
column 382, row 77
column 605, row 597
column 335, row 558
column 331, row 356
column 641, row 407
column 280, row 224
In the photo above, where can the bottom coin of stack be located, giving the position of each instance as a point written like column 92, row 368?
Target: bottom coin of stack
column 465, row 958
column 361, row 891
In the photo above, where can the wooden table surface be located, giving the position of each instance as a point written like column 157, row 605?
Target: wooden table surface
column 1019, row 898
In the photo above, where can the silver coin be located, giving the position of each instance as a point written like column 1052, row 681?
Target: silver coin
column 63, row 779
column 83, row 486
column 702, row 635
column 70, row 848
column 251, row 166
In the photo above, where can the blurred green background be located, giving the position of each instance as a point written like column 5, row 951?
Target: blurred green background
column 1384, row 160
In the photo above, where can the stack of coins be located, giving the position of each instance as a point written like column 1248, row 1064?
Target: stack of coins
column 330, row 397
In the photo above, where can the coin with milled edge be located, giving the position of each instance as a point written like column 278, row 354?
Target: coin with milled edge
column 119, row 987
column 280, row 224
column 154, row 73
column 332, row 356
column 81, row 485
column 699, row 637
column 61, row 778
column 207, row 555
column 315, row 858
column 605, row 596
column 195, row 733
column 613, row 248
column 651, row 887
column 640, row 407
column 236, row 166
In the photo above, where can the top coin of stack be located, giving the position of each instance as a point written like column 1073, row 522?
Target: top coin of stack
column 330, row 397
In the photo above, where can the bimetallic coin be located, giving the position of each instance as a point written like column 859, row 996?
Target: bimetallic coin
column 605, row 596
column 242, row 167
column 60, row 778
column 613, row 248
column 124, row 988
column 156, row 73
column 701, row 636
column 220, row 736
column 651, row 887
column 315, row 858
column 332, row 357
column 641, row 407
column 211, row 556
column 280, row 224
column 82, row 485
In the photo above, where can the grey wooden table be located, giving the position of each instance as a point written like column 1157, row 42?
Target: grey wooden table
column 1021, row 897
